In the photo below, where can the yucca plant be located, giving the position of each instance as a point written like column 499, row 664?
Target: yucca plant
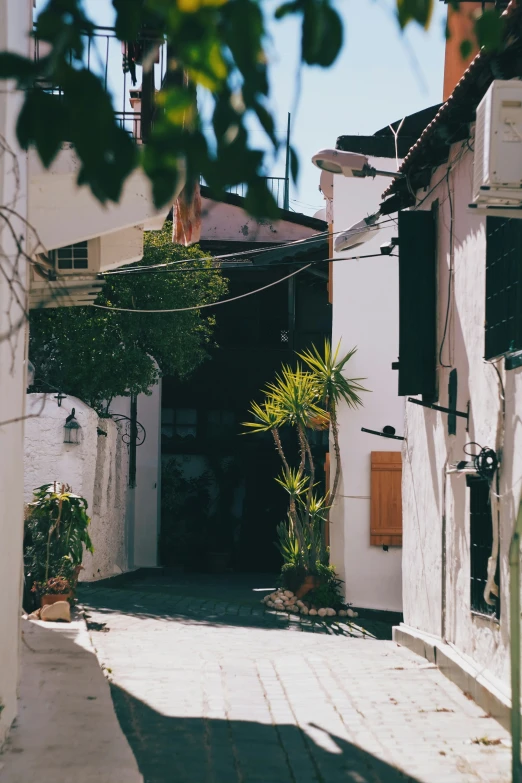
column 306, row 399
column 327, row 372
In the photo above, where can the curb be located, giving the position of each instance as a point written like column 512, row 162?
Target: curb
column 460, row 670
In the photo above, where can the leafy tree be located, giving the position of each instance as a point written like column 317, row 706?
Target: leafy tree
column 220, row 45
column 99, row 354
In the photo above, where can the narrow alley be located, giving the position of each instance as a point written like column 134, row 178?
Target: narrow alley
column 210, row 688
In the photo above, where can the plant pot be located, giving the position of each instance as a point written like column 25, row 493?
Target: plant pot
column 219, row 562
column 309, row 583
column 53, row 598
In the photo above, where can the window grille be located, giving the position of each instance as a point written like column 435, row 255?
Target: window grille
column 221, row 424
column 71, row 257
column 503, row 286
column 481, row 541
column 179, row 422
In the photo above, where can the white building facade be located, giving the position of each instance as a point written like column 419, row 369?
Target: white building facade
column 365, row 295
column 48, row 211
column 459, row 516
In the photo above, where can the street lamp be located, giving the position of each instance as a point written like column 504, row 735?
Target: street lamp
column 357, row 234
column 350, row 164
column 72, row 429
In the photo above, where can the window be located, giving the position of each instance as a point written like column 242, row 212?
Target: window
column 179, row 422
column 503, row 286
column 481, row 541
column 417, row 303
column 221, row 424
column 71, row 257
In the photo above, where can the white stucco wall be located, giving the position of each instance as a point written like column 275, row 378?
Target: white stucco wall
column 229, row 223
column 432, row 603
column 15, row 21
column 366, row 315
column 96, row 469
column 143, row 504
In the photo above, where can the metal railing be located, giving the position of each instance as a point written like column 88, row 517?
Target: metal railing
column 108, row 58
column 276, row 185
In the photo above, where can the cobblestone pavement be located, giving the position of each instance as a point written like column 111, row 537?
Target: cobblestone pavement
column 216, row 692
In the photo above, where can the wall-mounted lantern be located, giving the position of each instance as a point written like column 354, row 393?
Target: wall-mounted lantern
column 71, row 429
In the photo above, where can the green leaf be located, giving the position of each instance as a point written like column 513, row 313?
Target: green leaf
column 259, row 200
column 13, row 66
column 294, row 165
column 414, row 11
column 489, row 29
column 128, row 18
column 287, row 8
column 42, row 122
column 322, row 37
column 466, row 47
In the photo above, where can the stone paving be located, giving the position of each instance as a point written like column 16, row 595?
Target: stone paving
column 220, row 692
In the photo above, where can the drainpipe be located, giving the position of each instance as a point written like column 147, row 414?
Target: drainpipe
column 514, row 623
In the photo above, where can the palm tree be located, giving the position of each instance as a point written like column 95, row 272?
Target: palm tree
column 333, row 387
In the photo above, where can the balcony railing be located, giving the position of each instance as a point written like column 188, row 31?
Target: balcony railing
column 119, row 67
column 278, row 187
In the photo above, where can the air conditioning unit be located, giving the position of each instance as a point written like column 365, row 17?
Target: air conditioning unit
column 497, row 176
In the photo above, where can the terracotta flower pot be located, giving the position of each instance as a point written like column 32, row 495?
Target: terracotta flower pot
column 53, row 598
column 309, row 583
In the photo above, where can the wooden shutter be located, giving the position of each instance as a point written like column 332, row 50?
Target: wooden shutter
column 417, row 363
column 386, row 499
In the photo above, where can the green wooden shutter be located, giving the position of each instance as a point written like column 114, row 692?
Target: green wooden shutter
column 417, row 303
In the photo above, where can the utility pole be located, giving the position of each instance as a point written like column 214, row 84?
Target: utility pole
column 286, row 202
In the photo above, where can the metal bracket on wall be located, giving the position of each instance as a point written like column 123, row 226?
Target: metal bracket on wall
column 387, row 432
column 126, row 434
column 449, row 411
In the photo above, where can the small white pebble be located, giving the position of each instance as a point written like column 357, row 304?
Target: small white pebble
column 289, row 594
column 321, row 612
column 304, row 610
column 300, row 604
column 342, row 612
column 312, row 611
column 351, row 613
column 270, row 604
column 331, row 612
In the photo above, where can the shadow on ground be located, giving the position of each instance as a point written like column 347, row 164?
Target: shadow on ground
column 200, row 750
column 216, row 600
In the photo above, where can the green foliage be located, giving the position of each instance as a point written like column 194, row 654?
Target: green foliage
column 219, row 44
column 293, row 482
column 97, row 354
column 293, row 399
column 56, row 532
column 489, row 29
column 415, row 11
column 328, row 375
column 293, row 576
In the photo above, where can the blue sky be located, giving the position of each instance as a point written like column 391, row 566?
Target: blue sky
column 380, row 76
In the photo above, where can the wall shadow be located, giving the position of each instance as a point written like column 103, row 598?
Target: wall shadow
column 205, row 750
column 190, row 610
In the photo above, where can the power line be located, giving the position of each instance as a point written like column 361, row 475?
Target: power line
column 319, row 237
column 240, row 296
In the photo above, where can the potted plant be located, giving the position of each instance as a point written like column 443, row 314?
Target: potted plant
column 56, row 532
column 306, row 399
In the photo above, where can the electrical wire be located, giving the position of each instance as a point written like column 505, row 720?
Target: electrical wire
column 321, row 236
column 248, row 293
column 208, row 304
